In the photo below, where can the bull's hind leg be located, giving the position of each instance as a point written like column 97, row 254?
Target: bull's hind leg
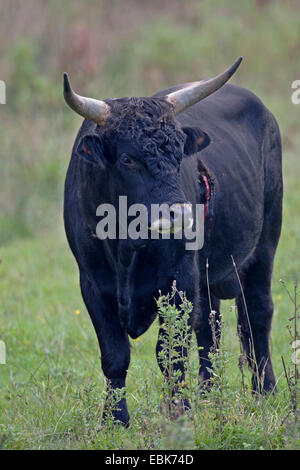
column 205, row 334
column 114, row 346
column 255, row 312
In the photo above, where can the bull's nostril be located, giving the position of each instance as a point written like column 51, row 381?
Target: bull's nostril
column 161, row 225
column 182, row 214
column 179, row 216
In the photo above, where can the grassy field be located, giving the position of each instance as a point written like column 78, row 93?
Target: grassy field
column 52, row 387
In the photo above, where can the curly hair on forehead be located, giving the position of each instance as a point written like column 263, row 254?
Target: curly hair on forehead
column 150, row 124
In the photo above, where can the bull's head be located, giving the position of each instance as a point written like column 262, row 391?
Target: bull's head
column 140, row 144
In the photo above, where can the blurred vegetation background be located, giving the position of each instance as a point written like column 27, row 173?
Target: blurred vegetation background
column 122, row 48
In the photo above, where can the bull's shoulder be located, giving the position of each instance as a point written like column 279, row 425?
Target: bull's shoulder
column 237, row 102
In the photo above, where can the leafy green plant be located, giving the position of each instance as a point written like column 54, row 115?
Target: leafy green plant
column 174, row 311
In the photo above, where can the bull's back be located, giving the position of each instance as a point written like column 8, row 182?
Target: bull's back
column 237, row 123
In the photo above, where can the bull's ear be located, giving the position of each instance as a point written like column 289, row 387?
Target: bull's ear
column 195, row 141
column 91, row 148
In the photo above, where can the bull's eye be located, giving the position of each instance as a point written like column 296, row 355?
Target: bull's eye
column 126, row 160
column 130, row 163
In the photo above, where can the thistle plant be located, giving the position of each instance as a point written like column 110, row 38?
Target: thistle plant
column 174, row 356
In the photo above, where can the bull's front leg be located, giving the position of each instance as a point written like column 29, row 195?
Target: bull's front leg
column 114, row 346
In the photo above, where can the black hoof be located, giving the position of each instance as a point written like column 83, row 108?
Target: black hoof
column 118, row 415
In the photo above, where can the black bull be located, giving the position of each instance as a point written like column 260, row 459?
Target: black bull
column 241, row 158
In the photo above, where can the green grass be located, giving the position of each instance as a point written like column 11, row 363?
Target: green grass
column 51, row 389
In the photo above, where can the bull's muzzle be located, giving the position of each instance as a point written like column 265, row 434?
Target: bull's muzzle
column 179, row 217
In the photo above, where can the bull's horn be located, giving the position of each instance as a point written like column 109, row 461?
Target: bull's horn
column 95, row 110
column 197, row 91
